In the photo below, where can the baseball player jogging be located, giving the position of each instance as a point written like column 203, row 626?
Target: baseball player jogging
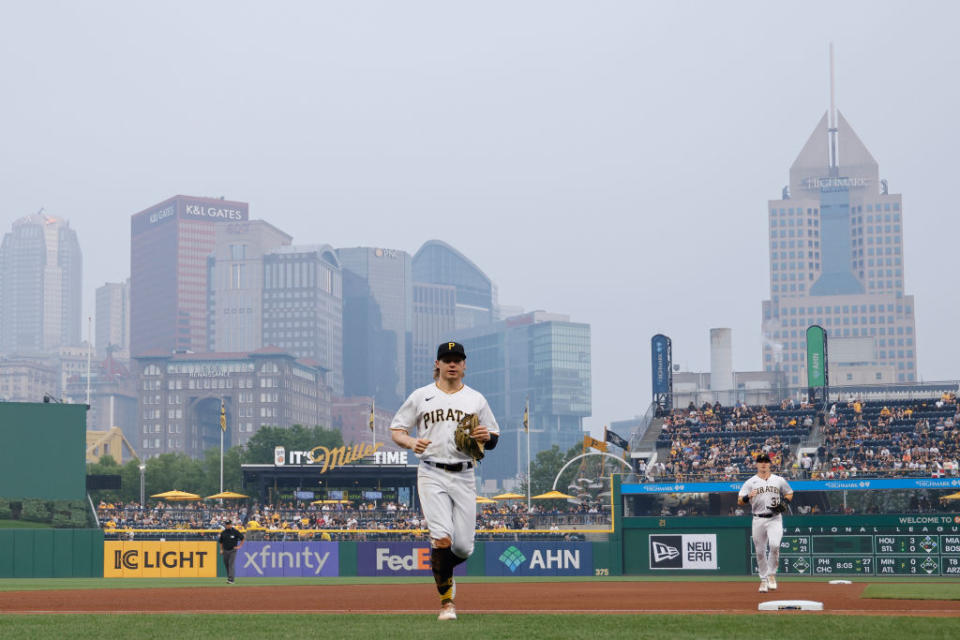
column 768, row 495
column 453, row 426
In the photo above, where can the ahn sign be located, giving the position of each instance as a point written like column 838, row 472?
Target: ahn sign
column 539, row 559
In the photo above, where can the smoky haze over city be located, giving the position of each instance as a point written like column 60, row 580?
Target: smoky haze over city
column 613, row 162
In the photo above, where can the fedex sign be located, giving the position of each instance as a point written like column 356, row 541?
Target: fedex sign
column 396, row 559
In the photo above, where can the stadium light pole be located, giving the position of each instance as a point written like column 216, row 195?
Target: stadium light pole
column 143, row 468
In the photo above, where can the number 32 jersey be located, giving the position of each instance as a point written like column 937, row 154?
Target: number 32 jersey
column 769, row 492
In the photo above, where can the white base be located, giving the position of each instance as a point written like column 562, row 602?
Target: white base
column 790, row 605
column 840, row 582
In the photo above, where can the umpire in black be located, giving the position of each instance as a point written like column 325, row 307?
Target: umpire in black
column 230, row 541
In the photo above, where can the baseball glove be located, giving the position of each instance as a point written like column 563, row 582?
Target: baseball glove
column 462, row 437
column 778, row 507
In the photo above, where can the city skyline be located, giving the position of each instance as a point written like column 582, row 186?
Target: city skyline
column 589, row 161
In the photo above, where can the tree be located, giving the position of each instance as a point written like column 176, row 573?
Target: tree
column 544, row 468
column 232, row 473
column 296, row 438
column 173, row 471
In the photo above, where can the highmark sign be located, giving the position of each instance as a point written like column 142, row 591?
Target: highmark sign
column 328, row 458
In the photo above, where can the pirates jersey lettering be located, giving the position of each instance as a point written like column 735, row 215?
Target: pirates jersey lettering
column 433, row 415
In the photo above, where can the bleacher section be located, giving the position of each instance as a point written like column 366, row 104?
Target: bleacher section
column 712, row 442
column 902, row 437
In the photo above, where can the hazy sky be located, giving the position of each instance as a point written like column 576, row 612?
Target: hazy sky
column 609, row 160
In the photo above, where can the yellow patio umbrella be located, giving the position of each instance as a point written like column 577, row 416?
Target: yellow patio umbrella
column 952, row 496
column 226, row 495
column 176, row 495
column 552, row 495
column 509, row 496
column 482, row 500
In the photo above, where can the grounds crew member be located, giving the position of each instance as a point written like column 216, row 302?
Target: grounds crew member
column 230, row 541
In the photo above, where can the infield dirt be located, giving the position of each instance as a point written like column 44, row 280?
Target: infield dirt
column 545, row 597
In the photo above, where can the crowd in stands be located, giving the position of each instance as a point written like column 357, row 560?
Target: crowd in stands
column 903, row 438
column 715, row 443
column 858, row 438
column 290, row 520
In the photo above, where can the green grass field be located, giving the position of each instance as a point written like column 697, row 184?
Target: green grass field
column 528, row 627
column 781, row 626
column 22, row 524
column 914, row 591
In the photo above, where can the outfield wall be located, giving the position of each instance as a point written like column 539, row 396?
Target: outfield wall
column 51, row 553
column 812, row 545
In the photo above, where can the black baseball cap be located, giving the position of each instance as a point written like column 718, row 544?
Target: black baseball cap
column 762, row 458
column 451, row 350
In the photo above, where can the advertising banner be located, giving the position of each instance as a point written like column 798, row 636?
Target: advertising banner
column 661, row 351
column 852, row 484
column 692, row 551
column 288, row 559
column 539, row 559
column 397, row 559
column 816, row 356
column 155, row 559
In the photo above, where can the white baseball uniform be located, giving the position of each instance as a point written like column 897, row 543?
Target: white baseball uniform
column 767, row 526
column 448, row 497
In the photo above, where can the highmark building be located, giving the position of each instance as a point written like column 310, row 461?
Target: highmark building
column 837, row 260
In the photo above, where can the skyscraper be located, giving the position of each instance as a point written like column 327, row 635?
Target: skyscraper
column 377, row 321
column 169, row 246
column 113, row 320
column 837, row 260
column 434, row 321
column 236, row 284
column 450, row 292
column 476, row 296
column 40, row 286
column 541, row 357
column 303, row 307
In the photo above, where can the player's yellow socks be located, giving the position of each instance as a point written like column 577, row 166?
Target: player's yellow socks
column 446, row 591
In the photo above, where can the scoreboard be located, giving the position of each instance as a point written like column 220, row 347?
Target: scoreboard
column 868, row 554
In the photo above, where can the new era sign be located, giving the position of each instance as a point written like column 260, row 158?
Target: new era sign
column 683, row 551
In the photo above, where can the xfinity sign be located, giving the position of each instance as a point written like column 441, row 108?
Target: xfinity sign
column 288, row 559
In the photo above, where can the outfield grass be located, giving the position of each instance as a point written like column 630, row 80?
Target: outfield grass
column 22, row 524
column 914, row 591
column 424, row 627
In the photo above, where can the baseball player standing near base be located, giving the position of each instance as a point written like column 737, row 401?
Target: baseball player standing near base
column 445, row 476
column 768, row 495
